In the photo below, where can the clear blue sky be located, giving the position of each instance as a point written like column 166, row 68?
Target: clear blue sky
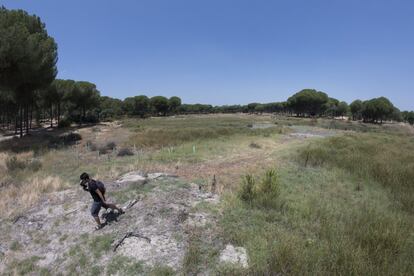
column 224, row 52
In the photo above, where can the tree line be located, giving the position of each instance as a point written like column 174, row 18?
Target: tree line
column 30, row 92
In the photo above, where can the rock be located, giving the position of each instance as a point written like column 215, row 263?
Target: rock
column 152, row 176
column 162, row 249
column 132, row 177
column 234, row 255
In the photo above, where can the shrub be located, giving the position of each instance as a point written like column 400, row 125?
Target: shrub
column 110, row 146
column 64, row 140
column 71, row 138
column 14, row 164
column 90, row 118
column 65, row 122
column 125, row 152
column 103, row 150
column 254, row 145
column 262, row 194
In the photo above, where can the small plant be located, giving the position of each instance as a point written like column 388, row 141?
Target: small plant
column 125, row 152
column 255, row 145
column 15, row 246
column 269, row 190
column 247, row 192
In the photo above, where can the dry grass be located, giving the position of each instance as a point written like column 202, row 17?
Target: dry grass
column 16, row 198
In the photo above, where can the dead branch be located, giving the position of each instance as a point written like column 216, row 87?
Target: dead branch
column 128, row 235
column 132, row 203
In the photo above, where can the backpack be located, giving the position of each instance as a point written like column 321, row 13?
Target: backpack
column 101, row 186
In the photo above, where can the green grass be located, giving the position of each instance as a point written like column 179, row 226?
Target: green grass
column 168, row 132
column 324, row 225
column 15, row 246
column 100, row 244
column 124, row 266
column 385, row 158
column 26, row 267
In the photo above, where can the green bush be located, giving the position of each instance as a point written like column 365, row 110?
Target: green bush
column 262, row 194
column 65, row 122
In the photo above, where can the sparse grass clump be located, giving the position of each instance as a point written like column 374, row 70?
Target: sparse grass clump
column 26, row 266
column 15, row 246
column 100, row 244
column 124, row 266
column 15, row 164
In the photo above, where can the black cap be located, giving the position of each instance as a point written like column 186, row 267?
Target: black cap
column 84, row 176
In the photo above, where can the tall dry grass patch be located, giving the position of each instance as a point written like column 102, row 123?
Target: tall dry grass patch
column 3, row 166
column 17, row 198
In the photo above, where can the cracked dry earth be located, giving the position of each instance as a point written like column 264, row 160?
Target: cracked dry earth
column 162, row 212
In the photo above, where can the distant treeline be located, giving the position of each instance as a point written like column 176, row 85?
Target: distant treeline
column 30, row 92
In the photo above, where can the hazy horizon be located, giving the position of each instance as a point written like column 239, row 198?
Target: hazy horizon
column 234, row 52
